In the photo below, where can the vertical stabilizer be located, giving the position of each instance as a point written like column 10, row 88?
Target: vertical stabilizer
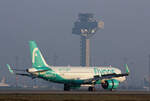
column 36, row 56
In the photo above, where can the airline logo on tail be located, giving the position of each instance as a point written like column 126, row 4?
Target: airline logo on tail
column 37, row 58
column 34, row 54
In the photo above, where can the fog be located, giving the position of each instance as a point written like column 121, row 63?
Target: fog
column 125, row 38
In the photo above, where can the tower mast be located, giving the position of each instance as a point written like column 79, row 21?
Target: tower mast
column 86, row 26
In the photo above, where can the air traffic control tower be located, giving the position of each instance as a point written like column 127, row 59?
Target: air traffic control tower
column 86, row 26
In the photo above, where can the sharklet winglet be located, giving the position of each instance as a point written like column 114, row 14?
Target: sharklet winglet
column 9, row 68
column 127, row 69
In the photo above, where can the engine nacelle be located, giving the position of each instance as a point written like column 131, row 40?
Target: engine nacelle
column 110, row 84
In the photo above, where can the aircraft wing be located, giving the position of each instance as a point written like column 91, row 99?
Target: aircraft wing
column 12, row 71
column 117, row 75
column 23, row 74
column 17, row 72
column 108, row 76
column 9, row 68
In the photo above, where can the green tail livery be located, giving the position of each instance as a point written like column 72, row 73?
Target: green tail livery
column 72, row 77
column 37, row 58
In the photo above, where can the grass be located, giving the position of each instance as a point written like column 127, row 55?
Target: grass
column 74, row 97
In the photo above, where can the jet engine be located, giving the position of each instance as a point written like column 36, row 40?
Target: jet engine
column 110, row 84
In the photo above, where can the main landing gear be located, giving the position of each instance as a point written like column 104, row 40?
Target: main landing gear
column 66, row 87
column 91, row 88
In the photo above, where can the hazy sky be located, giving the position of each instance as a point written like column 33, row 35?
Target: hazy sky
column 126, row 36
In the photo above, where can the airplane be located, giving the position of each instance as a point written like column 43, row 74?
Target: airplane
column 71, row 76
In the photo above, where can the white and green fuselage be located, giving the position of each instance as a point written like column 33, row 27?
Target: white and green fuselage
column 109, row 77
column 74, row 75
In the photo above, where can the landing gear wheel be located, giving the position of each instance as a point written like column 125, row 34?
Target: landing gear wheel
column 66, row 87
column 112, row 90
column 91, row 88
